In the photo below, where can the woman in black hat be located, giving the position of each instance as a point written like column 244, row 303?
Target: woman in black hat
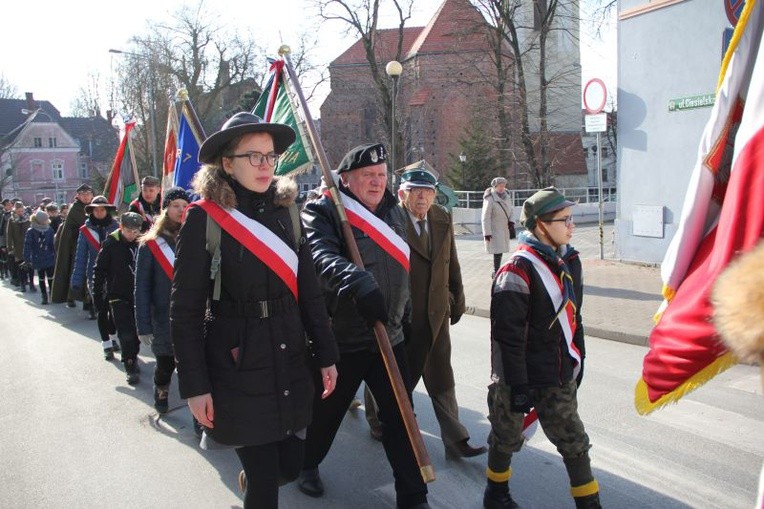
column 99, row 224
column 243, row 361
column 153, row 282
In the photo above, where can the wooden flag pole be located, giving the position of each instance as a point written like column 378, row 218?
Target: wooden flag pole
column 401, row 395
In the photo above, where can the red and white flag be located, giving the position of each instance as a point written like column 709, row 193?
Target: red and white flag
column 723, row 216
column 170, row 147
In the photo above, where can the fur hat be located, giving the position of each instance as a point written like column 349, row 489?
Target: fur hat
column 363, row 156
column 244, row 123
column 738, row 299
column 99, row 201
column 542, row 202
column 174, row 193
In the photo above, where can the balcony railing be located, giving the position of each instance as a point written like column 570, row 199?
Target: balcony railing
column 474, row 199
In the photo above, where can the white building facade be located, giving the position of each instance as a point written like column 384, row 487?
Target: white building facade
column 670, row 53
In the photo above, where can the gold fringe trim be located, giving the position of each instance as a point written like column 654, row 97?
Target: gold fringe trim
column 668, row 292
column 742, row 23
column 643, row 404
column 498, row 476
column 585, row 490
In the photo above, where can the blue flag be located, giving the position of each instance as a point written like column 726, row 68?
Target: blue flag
column 189, row 141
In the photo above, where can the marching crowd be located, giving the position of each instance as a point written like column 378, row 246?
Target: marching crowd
column 270, row 320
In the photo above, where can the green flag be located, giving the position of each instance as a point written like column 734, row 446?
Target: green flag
column 274, row 106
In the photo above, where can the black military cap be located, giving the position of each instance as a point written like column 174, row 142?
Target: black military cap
column 363, row 156
column 84, row 188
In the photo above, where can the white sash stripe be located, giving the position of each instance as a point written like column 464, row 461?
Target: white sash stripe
column 379, row 225
column 267, row 237
column 166, row 250
column 552, row 285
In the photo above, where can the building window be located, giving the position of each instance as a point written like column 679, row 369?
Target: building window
column 51, row 142
column 604, row 151
column 58, row 170
column 586, row 152
column 84, row 173
column 38, row 143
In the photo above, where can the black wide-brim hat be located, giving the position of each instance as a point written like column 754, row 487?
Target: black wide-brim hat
column 99, row 201
column 240, row 124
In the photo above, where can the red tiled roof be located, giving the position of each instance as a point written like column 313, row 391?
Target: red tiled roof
column 387, row 40
column 456, row 21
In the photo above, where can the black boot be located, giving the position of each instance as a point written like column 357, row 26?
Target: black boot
column 161, row 398
column 310, row 483
column 131, row 371
column 44, row 299
column 588, row 502
column 496, row 496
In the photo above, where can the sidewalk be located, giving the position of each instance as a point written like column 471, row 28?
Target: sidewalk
column 620, row 299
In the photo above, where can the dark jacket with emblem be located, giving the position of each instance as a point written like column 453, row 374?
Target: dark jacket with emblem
column 114, row 270
column 257, row 369
column 524, row 348
column 437, row 294
column 343, row 281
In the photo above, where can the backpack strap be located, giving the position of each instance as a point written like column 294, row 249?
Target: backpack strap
column 213, row 248
column 294, row 215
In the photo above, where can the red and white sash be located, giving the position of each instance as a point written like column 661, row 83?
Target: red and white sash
column 163, row 254
column 379, row 231
column 258, row 239
column 567, row 320
column 142, row 211
column 91, row 236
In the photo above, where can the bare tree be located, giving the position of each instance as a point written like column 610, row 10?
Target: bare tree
column 361, row 19
column 86, row 103
column 7, row 89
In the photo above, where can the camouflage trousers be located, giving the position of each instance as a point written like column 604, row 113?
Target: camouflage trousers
column 557, row 409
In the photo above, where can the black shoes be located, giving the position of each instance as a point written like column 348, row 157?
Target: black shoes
column 44, row 301
column 310, row 483
column 463, row 450
column 108, row 354
column 496, row 496
column 70, row 304
column 161, row 400
column 588, row 502
column 131, row 371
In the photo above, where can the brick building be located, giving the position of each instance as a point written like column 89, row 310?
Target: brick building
column 446, row 83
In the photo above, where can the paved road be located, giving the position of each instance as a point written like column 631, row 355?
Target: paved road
column 75, row 435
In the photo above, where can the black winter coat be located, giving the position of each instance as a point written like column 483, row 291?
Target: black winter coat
column 524, row 349
column 114, row 269
column 257, row 369
column 343, row 281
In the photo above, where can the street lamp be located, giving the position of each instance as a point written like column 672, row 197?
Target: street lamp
column 152, row 109
column 463, row 159
column 394, row 70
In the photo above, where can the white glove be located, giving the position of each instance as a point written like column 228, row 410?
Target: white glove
column 146, row 339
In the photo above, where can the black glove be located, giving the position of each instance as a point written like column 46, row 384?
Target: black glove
column 488, row 238
column 580, row 374
column 372, row 307
column 455, row 319
column 520, row 399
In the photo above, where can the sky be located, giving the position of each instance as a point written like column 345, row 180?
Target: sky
column 53, row 47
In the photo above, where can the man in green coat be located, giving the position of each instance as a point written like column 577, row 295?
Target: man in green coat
column 66, row 244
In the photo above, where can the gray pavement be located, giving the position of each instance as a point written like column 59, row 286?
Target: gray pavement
column 620, row 298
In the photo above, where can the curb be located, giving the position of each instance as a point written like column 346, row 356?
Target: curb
column 597, row 332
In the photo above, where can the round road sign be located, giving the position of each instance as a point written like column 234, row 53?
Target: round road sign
column 595, row 96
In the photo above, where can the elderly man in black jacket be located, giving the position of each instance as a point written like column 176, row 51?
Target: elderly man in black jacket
column 358, row 298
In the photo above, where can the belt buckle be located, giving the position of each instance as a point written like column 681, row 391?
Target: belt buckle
column 263, row 308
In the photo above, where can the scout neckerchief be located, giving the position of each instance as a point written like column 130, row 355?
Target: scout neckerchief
column 258, row 239
column 91, row 236
column 379, row 231
column 163, row 254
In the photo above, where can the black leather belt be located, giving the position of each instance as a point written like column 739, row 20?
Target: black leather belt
column 253, row 309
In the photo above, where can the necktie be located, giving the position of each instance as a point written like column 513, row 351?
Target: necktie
column 423, row 235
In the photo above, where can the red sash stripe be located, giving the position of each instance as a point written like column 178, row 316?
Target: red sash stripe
column 258, row 239
column 379, row 231
column 163, row 254
column 91, row 236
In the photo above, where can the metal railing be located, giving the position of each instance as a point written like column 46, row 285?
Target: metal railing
column 474, row 199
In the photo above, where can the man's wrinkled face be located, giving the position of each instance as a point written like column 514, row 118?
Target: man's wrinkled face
column 367, row 184
column 418, row 200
